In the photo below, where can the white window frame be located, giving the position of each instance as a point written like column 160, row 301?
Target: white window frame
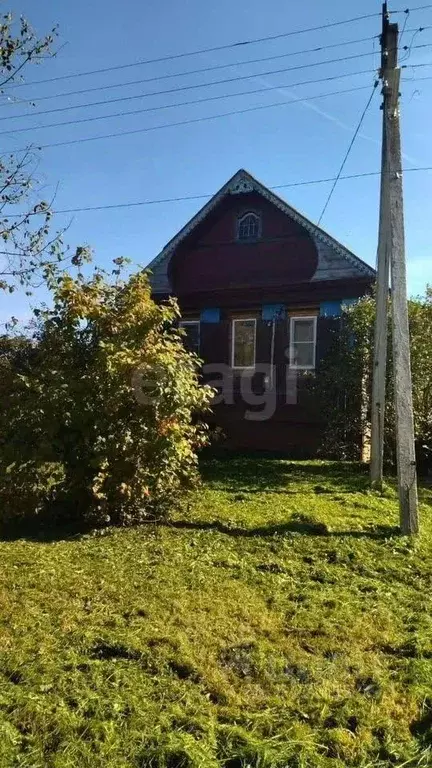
column 240, row 221
column 292, row 343
column 183, row 323
column 233, row 322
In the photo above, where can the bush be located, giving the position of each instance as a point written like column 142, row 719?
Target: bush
column 102, row 405
column 420, row 318
column 345, row 382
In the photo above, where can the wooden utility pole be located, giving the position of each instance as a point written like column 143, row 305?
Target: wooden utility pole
column 380, row 347
column 392, row 249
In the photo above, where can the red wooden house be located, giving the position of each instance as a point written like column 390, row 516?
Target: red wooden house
column 260, row 287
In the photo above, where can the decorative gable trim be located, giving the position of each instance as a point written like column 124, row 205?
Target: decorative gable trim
column 315, row 231
column 243, row 183
column 241, row 186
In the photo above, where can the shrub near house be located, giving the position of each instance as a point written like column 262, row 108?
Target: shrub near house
column 100, row 417
column 345, row 384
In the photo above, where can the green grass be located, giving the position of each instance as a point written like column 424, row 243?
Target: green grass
column 280, row 622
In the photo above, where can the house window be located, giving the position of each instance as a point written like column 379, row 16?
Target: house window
column 243, row 343
column 191, row 337
column 248, row 227
column 302, row 349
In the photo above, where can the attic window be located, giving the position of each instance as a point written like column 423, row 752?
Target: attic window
column 248, row 227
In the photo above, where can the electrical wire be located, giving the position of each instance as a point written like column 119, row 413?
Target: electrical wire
column 417, row 66
column 191, row 121
column 187, row 198
column 213, row 49
column 206, row 99
column 194, row 86
column 408, row 48
column 404, row 27
column 217, row 66
column 231, row 113
column 204, row 69
column 411, row 10
column 348, row 152
column 110, row 86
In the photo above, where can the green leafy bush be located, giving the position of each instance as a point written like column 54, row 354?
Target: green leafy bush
column 345, row 381
column 420, row 318
column 342, row 383
column 101, row 416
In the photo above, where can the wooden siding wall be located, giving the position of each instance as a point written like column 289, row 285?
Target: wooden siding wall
column 212, row 259
column 294, row 428
column 210, row 270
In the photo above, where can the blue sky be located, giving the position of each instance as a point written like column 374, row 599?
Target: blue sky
column 280, row 145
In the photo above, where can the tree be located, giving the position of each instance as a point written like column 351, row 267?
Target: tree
column 344, row 384
column 103, row 406
column 420, row 320
column 27, row 250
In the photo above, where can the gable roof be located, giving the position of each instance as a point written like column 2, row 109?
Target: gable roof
column 335, row 261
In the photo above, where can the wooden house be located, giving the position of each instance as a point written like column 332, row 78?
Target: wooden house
column 260, row 289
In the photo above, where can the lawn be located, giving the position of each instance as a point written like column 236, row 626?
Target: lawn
column 279, row 621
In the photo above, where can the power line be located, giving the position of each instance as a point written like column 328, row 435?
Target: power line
column 205, row 69
column 172, row 106
column 191, row 121
column 186, row 198
column 179, row 123
column 194, row 86
column 172, row 90
column 417, row 66
column 183, row 54
column 81, row 91
column 411, row 10
column 404, row 27
column 206, row 99
column 241, row 43
column 348, row 152
column 407, row 48
column 213, row 68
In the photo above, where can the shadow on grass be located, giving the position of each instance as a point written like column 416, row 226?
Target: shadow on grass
column 48, row 534
column 45, row 533
column 242, row 474
column 304, row 528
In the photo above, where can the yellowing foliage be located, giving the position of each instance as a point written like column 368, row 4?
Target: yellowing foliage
column 108, row 395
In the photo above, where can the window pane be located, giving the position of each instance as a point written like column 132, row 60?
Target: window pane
column 303, row 355
column 192, row 338
column 303, row 330
column 244, row 343
column 249, row 227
